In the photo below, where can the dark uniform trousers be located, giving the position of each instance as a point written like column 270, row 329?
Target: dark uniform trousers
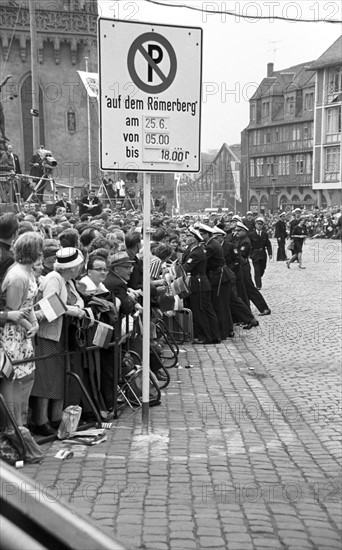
column 259, row 244
column 206, row 326
column 253, row 293
column 220, row 297
column 281, row 253
column 239, row 310
column 204, row 317
column 280, row 234
column 241, row 287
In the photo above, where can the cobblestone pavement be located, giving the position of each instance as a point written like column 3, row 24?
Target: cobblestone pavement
column 244, row 452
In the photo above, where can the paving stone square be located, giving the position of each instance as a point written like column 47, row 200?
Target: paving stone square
column 245, row 450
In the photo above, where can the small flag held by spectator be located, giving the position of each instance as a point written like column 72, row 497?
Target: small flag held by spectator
column 103, row 335
column 52, row 306
column 6, row 367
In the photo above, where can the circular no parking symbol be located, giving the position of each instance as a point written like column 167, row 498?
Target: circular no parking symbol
column 153, row 54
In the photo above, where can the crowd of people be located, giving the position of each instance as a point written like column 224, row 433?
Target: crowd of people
column 91, row 257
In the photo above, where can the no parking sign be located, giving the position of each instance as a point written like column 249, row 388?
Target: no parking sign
column 150, row 80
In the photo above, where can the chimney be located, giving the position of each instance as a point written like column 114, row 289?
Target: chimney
column 270, row 68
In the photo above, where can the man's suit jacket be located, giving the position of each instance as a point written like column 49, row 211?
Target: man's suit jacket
column 119, row 288
column 91, row 211
column 280, row 230
column 63, row 204
column 259, row 245
column 36, row 171
column 17, row 168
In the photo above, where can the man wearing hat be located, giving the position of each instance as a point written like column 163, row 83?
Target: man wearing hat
column 243, row 244
column 280, row 234
column 249, row 221
column 260, row 242
column 218, row 279
column 194, row 262
column 120, row 269
column 238, row 302
column 224, row 296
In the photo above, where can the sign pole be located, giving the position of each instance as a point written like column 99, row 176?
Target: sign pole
column 147, row 301
column 34, row 76
column 88, row 131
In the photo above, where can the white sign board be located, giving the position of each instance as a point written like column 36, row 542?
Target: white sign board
column 150, row 80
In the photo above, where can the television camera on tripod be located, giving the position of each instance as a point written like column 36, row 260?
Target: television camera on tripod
column 48, row 163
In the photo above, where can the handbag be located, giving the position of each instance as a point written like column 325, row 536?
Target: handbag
column 290, row 246
column 166, row 301
column 6, row 367
column 69, row 423
column 181, row 286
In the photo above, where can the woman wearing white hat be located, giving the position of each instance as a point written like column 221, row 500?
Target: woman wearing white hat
column 49, row 380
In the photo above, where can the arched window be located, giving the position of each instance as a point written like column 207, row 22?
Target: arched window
column 283, row 199
column 263, row 203
column 253, row 204
column 295, row 199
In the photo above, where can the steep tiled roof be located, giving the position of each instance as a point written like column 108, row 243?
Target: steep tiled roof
column 332, row 56
column 263, row 87
column 292, row 77
column 304, row 77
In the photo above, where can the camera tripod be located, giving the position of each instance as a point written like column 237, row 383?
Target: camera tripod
column 113, row 202
column 40, row 186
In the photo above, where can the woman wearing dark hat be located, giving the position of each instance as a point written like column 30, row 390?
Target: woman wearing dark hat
column 206, row 327
column 49, row 380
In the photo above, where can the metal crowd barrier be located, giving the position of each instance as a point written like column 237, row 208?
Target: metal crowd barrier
column 119, row 340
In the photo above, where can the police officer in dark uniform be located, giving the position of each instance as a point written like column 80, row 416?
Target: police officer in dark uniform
column 194, row 262
column 249, row 221
column 243, row 244
column 233, row 261
column 239, row 307
column 260, row 242
column 280, row 234
column 219, row 280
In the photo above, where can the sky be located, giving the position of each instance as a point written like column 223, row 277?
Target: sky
column 236, row 50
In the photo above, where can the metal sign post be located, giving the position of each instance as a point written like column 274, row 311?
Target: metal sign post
column 147, row 300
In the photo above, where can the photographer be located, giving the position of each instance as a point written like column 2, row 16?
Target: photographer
column 47, row 165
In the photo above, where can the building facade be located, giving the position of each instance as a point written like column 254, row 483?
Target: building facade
column 218, row 185
column 277, row 145
column 66, row 32
column 327, row 154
